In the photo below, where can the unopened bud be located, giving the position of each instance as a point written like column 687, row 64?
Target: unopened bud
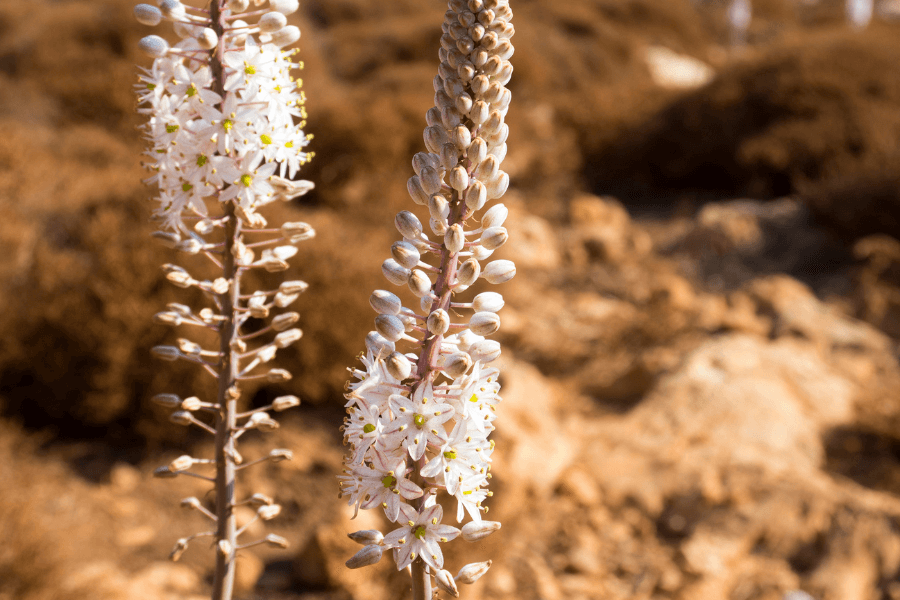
column 284, row 320
column 224, row 548
column 167, row 400
column 471, row 572
column 408, row 224
column 180, row 546
column 419, row 283
column 416, row 189
column 457, row 364
column 405, row 254
column 438, row 226
column 207, row 40
column 181, row 417
column 394, row 272
column 449, row 156
column 259, row 500
column 474, row 531
column 476, row 195
column 495, row 216
column 455, row 239
column 369, row 555
column 278, row 376
column 280, row 454
column 488, row 168
column 484, row 323
column 378, row 345
column 238, row 6
column 498, row 185
column 390, row 326
column 153, row 46
column 494, row 237
column 487, row 302
column 438, row 207
column 297, row 232
column 286, row 338
column 444, row 580
column 430, row 180
column 145, row 14
column 277, row 541
column 366, row 536
column 285, row 402
column 458, row 179
column 385, row 303
column 468, row 272
column 167, row 318
column 293, row 287
column 286, row 36
column 269, row 511
column 438, row 322
column 435, row 137
column 272, row 22
column 398, row 366
column 172, row 9
column 285, row 7
column 168, row 353
column 192, row 503
column 499, row 271
column 485, row 351
column 191, row 404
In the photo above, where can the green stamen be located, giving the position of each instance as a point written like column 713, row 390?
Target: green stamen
column 419, row 532
column 419, row 421
column 474, row 398
column 151, row 86
column 369, row 428
column 388, row 481
column 450, row 454
column 265, row 139
column 202, row 160
column 227, row 124
column 246, row 179
column 289, row 145
column 171, row 128
column 186, row 187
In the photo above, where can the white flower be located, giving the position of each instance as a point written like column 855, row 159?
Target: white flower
column 250, row 182
column 417, row 421
column 363, row 429
column 420, row 536
column 477, row 397
column 385, row 483
column 457, row 457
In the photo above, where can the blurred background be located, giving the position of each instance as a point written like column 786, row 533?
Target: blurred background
column 700, row 376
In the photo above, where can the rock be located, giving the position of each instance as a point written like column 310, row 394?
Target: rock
column 532, row 242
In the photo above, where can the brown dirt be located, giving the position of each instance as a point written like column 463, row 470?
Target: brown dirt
column 700, row 393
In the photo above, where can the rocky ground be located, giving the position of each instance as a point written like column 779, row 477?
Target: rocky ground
column 700, row 376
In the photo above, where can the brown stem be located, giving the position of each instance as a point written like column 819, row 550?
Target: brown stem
column 223, row 580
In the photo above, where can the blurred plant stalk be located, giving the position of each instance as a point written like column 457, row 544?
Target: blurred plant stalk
column 224, row 116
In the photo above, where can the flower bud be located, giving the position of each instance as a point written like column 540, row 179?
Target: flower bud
column 458, row 179
column 449, row 156
column 438, row 226
column 191, row 503
column 444, row 580
column 405, row 254
column 408, row 225
column 487, row 302
column 181, row 417
column 180, row 546
column 463, row 103
column 474, row 531
column 167, row 400
column 394, row 272
column 438, row 208
column 416, row 190
column 280, row 454
column 499, row 271
column 167, row 318
column 224, row 548
column 494, row 237
column 461, row 137
column 369, row 555
column 153, row 46
column 238, row 6
column 471, row 572
column 480, row 83
column 385, row 303
column 430, row 180
column 419, row 283
column 438, row 322
column 259, row 499
column 208, row 39
column 278, row 376
column 433, row 114
column 378, row 345
column 485, row 351
column 484, row 323
column 457, row 364
column 468, row 272
column 297, row 232
column 495, row 216
column 191, row 404
column 284, row 320
column 168, row 353
column 366, row 536
column 285, row 402
column 285, row 7
column 498, row 186
column 398, row 366
column 476, row 195
column 454, row 239
column 277, row 541
column 182, row 463
column 286, row 338
column 286, row 36
column 390, row 327
column 479, row 112
column 146, row 14
column 426, row 302
column 488, row 168
column 435, row 137
column 272, row 22
column 499, row 151
column 172, row 9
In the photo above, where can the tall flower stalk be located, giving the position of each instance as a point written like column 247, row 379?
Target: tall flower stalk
column 225, row 138
column 419, row 418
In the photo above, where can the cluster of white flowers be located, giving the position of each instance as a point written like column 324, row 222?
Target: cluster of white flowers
column 202, row 144
column 419, row 420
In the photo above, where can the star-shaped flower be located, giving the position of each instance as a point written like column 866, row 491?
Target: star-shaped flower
column 419, row 537
column 417, row 421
